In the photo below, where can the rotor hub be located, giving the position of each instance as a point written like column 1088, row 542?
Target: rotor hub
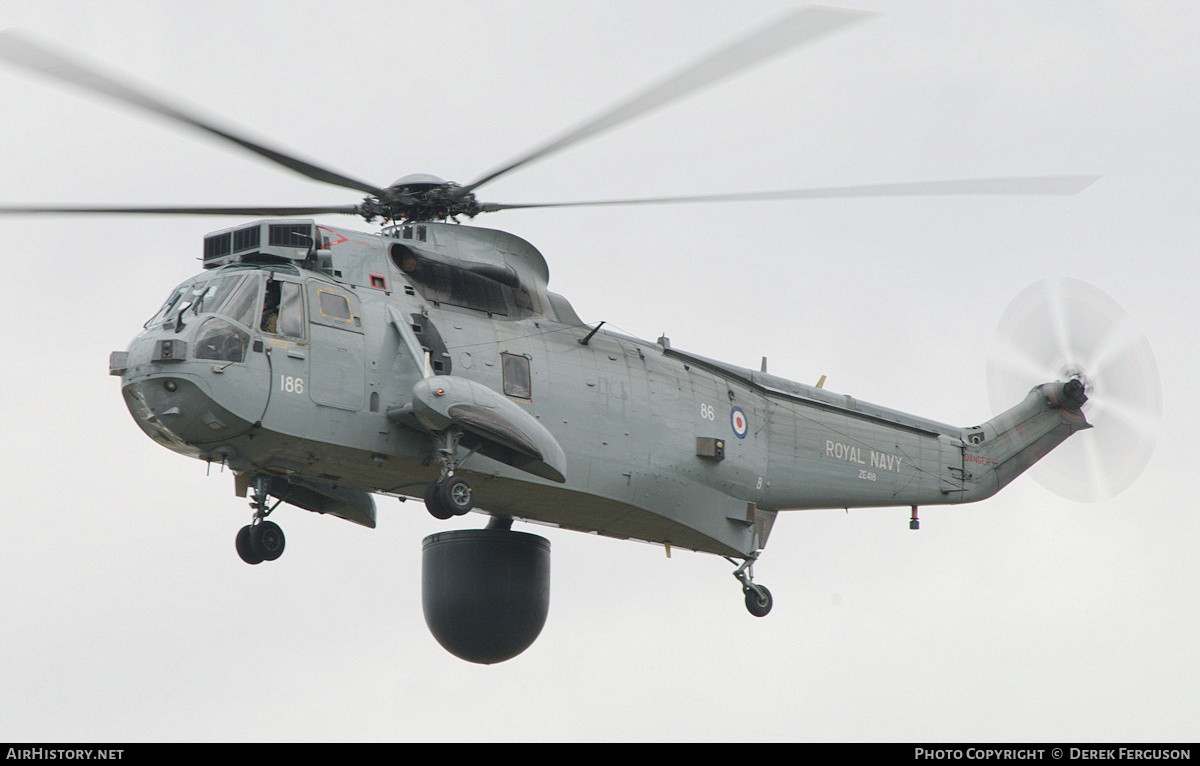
column 1075, row 392
column 420, row 197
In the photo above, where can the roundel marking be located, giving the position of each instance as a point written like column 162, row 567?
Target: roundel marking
column 737, row 419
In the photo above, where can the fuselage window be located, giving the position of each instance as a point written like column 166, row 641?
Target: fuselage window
column 516, row 376
column 334, row 305
column 283, row 310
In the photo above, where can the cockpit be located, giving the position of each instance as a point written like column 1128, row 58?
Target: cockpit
column 229, row 304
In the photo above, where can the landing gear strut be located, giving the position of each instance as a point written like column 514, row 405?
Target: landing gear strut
column 450, row 495
column 260, row 540
column 758, row 598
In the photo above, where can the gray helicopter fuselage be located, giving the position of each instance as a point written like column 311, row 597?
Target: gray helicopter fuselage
column 656, row 444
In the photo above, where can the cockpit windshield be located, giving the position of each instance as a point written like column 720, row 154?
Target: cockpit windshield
column 215, row 293
column 251, row 300
column 167, row 306
column 183, row 298
column 234, row 295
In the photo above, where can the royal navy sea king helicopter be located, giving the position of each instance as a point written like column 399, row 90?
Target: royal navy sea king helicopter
column 430, row 359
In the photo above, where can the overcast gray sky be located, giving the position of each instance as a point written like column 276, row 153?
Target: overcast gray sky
column 127, row 615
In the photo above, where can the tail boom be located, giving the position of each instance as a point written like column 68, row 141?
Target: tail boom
column 1000, row 450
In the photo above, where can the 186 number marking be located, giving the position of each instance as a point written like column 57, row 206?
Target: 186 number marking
column 291, row 385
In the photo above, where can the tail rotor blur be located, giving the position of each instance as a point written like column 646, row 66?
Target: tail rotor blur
column 1059, row 329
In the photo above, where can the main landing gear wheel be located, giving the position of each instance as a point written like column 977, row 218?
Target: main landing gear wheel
column 267, row 538
column 450, row 497
column 456, row 495
column 434, row 503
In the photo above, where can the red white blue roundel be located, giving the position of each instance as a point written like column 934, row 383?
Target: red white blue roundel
column 737, row 419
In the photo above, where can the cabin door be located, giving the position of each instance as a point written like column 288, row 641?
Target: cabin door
column 338, row 361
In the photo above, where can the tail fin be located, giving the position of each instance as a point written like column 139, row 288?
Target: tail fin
column 1003, row 448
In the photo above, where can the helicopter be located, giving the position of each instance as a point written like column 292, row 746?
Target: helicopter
column 431, row 360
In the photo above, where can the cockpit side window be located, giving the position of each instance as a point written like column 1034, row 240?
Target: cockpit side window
column 283, row 309
column 240, row 306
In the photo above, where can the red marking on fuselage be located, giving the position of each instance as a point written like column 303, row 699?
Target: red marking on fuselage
column 340, row 238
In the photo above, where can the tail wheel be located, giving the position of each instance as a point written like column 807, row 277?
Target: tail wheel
column 758, row 604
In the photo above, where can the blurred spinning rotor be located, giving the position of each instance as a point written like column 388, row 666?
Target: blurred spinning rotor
column 1058, row 329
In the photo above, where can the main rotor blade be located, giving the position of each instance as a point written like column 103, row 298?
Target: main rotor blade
column 801, row 26
column 18, row 49
column 1022, row 186
column 263, row 211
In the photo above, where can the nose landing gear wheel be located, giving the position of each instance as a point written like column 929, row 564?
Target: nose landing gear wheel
column 260, row 542
column 267, row 538
column 244, row 547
